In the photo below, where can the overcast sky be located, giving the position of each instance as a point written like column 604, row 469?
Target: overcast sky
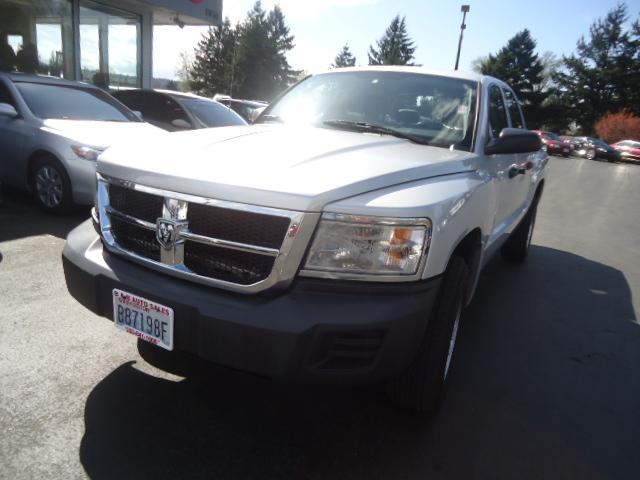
column 321, row 27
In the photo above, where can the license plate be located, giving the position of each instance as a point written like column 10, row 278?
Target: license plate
column 566, row 150
column 143, row 318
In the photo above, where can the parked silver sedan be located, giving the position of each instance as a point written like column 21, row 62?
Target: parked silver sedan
column 52, row 132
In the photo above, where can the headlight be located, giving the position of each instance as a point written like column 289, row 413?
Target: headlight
column 348, row 245
column 86, row 153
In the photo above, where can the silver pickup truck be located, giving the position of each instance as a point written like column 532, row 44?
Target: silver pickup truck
column 340, row 237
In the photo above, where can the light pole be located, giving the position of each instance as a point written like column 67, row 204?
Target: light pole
column 464, row 9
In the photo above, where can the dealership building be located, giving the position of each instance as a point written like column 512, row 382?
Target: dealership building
column 105, row 43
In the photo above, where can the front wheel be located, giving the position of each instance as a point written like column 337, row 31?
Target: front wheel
column 51, row 185
column 590, row 154
column 421, row 386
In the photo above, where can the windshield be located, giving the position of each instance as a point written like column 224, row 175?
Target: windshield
column 73, row 103
column 438, row 110
column 600, row 143
column 211, row 114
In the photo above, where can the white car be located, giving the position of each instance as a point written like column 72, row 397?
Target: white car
column 340, row 238
column 52, row 131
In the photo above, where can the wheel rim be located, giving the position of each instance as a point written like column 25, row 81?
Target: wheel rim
column 591, row 154
column 49, row 186
column 452, row 341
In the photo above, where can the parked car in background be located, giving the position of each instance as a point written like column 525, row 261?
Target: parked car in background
column 174, row 111
column 247, row 109
column 554, row 144
column 593, row 148
column 51, row 133
column 629, row 149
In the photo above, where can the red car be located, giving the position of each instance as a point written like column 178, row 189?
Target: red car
column 629, row 149
column 554, row 144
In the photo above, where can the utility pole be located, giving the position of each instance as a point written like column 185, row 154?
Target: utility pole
column 233, row 68
column 464, row 9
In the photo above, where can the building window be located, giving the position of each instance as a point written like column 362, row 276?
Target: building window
column 109, row 46
column 36, row 37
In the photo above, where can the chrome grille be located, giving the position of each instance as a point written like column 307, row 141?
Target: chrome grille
column 139, row 240
column 230, row 265
column 236, row 246
column 236, row 226
column 136, row 204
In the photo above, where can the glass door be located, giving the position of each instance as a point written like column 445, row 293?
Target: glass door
column 110, row 46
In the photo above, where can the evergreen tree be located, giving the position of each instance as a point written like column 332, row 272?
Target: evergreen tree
column 263, row 42
column 603, row 76
column 395, row 47
column 281, row 42
column 518, row 65
column 212, row 69
column 344, row 58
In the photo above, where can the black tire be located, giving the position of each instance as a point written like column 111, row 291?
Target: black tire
column 565, row 155
column 516, row 248
column 421, row 386
column 50, row 185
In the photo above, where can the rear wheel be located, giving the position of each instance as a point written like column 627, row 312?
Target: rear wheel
column 421, row 386
column 50, row 185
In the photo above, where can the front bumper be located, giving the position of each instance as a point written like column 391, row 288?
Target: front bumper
column 316, row 329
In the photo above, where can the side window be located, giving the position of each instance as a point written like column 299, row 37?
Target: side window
column 514, row 109
column 6, row 97
column 166, row 110
column 130, row 99
column 497, row 112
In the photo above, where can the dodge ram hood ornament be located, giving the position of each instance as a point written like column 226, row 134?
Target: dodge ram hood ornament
column 168, row 232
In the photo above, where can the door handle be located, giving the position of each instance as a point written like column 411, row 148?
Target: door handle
column 515, row 170
column 519, row 168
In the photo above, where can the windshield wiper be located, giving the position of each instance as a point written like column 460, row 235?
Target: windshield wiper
column 269, row 118
column 372, row 128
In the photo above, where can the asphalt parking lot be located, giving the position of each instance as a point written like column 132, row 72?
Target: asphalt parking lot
column 545, row 383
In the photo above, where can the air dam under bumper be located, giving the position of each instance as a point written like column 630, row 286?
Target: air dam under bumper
column 316, row 329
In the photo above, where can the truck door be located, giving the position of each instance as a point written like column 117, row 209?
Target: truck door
column 508, row 186
column 523, row 180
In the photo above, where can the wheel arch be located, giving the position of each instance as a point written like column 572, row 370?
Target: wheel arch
column 469, row 248
column 37, row 155
column 538, row 192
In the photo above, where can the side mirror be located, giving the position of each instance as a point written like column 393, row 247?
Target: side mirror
column 180, row 123
column 8, row 110
column 514, row 140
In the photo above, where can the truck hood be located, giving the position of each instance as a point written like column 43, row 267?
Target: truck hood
column 294, row 168
column 98, row 134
